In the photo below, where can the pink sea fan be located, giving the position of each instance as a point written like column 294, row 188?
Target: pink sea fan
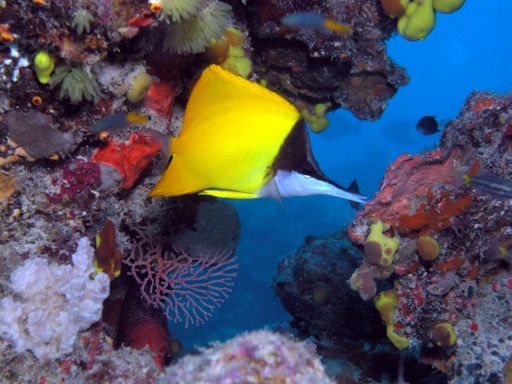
column 188, row 288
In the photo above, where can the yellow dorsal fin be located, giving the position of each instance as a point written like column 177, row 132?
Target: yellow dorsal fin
column 232, row 132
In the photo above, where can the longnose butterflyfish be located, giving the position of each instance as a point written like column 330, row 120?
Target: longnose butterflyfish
column 240, row 140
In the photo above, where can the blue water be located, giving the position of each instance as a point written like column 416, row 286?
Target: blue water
column 468, row 50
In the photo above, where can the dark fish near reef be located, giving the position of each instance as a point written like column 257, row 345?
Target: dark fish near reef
column 427, row 125
column 490, row 184
column 316, row 22
column 117, row 121
column 240, row 140
column 502, row 254
column 142, row 325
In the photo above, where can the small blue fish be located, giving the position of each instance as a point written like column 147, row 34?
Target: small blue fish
column 316, row 22
column 117, row 121
column 490, row 184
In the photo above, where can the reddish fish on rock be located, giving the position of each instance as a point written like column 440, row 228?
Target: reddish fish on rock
column 142, row 325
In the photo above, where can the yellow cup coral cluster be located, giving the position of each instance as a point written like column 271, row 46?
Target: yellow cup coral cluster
column 229, row 53
column 317, row 121
column 417, row 18
column 418, row 21
column 448, row 6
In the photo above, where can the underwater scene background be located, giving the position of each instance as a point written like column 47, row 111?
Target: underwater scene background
column 444, row 69
column 414, row 286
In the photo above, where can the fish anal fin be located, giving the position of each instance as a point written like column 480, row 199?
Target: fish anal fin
column 228, row 194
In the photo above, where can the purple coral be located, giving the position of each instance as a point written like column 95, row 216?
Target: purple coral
column 187, row 287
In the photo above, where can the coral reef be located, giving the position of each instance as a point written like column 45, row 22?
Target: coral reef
column 312, row 285
column 446, row 267
column 309, row 67
column 60, row 183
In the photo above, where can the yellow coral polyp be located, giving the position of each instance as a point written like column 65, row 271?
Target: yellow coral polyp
column 386, row 302
column 234, row 37
column 141, row 82
column 418, row 21
column 448, row 6
column 317, row 121
column 241, row 66
column 229, row 53
column 378, row 248
column 44, row 63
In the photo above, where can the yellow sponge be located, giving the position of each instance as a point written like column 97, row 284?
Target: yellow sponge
column 43, row 66
column 386, row 302
column 378, row 248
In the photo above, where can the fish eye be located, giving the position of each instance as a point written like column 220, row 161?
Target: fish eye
column 167, row 359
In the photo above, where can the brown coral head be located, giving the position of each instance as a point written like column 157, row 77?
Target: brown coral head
column 444, row 335
column 363, row 283
column 393, row 8
column 428, row 248
column 373, row 252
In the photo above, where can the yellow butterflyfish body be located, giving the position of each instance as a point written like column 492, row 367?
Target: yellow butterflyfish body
column 241, row 140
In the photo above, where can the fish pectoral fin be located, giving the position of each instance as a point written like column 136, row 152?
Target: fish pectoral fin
column 228, row 194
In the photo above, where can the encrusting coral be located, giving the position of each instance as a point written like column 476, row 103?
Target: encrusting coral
column 82, row 21
column 76, row 84
column 56, row 302
column 195, row 34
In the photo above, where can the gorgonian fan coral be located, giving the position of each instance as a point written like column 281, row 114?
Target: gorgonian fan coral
column 187, row 287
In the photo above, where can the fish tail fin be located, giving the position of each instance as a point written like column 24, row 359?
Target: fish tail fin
column 354, row 189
